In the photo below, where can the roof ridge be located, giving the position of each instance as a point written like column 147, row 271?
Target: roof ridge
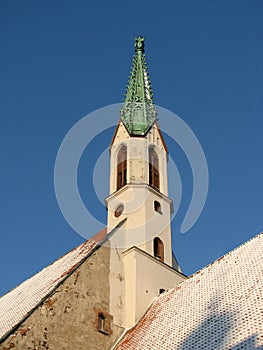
column 178, row 286
column 54, row 261
column 225, row 255
column 17, row 304
column 215, row 306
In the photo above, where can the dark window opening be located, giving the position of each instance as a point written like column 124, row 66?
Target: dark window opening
column 119, row 210
column 157, row 207
column 101, row 322
column 122, row 167
column 104, row 323
column 154, row 180
column 158, row 249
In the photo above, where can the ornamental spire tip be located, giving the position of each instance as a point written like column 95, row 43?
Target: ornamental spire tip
column 139, row 44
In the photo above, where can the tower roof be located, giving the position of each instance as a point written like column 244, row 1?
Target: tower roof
column 138, row 112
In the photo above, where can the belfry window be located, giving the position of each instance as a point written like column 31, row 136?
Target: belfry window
column 153, row 169
column 122, row 167
column 158, row 249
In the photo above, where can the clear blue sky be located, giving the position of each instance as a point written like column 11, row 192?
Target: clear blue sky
column 62, row 60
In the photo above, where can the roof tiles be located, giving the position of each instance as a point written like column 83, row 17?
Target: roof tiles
column 219, row 307
column 15, row 305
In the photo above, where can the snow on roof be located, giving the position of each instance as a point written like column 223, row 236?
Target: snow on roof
column 219, row 307
column 16, row 304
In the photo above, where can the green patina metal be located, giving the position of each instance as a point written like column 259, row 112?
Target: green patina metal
column 138, row 112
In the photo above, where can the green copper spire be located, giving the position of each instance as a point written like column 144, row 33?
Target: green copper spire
column 138, row 112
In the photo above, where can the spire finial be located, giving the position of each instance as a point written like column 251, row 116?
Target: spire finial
column 139, row 44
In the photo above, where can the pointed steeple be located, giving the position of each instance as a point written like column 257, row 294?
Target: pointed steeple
column 138, row 112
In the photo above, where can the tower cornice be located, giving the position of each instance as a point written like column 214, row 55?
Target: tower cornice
column 145, row 186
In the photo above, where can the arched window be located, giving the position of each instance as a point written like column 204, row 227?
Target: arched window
column 153, row 169
column 157, row 207
column 122, row 167
column 158, row 249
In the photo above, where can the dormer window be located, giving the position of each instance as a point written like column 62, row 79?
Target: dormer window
column 154, row 180
column 122, row 167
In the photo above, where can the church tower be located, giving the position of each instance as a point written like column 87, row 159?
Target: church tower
column 138, row 176
column 138, row 203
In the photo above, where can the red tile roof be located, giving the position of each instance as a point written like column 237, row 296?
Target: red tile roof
column 19, row 302
column 219, row 307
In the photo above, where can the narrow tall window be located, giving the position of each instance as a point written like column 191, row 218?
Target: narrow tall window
column 158, row 249
column 101, row 322
column 122, row 167
column 153, row 169
column 104, row 320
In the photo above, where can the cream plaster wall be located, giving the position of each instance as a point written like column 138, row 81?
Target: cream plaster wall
column 135, row 275
column 145, row 276
column 117, row 285
column 143, row 222
column 137, row 157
